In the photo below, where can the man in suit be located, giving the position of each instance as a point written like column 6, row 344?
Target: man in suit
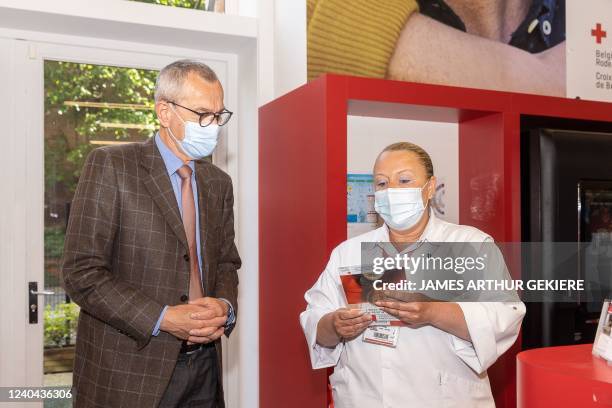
column 150, row 257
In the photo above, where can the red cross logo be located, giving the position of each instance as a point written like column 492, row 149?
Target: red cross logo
column 598, row 33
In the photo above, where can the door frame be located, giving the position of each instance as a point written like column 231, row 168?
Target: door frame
column 22, row 218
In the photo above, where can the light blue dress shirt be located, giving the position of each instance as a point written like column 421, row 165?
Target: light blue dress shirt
column 173, row 163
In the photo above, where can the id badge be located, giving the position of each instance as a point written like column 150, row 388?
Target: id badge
column 381, row 335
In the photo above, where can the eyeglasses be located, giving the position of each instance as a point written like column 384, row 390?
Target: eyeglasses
column 206, row 118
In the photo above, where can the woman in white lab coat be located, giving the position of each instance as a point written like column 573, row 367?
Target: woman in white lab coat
column 440, row 358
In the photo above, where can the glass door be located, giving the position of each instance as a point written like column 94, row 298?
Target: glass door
column 86, row 106
column 75, row 99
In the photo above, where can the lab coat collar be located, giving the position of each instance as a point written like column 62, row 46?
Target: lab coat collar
column 430, row 234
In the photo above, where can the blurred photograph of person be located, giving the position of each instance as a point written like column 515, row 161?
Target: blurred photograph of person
column 514, row 45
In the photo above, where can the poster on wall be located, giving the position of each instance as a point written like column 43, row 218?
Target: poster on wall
column 589, row 50
column 360, row 214
column 360, row 199
column 514, row 46
column 438, row 202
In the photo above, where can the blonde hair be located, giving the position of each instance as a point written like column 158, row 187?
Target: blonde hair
column 422, row 155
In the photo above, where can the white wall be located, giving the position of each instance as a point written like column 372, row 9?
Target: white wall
column 247, row 226
column 289, row 45
column 367, row 136
column 281, row 47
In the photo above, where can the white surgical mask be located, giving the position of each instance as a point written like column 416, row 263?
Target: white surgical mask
column 199, row 141
column 400, row 208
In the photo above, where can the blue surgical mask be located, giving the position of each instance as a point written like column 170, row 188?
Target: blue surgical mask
column 199, row 141
column 400, row 208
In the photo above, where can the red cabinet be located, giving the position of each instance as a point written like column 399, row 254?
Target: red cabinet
column 302, row 198
column 563, row 377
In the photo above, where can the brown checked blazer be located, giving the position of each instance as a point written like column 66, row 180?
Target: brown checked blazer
column 126, row 257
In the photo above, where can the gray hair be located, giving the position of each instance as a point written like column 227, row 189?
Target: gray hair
column 169, row 84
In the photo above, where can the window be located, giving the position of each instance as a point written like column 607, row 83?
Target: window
column 86, row 106
column 209, row 5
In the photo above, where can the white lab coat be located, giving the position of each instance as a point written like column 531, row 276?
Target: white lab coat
column 428, row 367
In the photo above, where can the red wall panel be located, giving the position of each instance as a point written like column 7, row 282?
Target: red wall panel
column 489, row 168
column 292, row 225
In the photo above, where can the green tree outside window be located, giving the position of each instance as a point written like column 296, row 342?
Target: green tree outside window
column 192, row 4
column 86, row 106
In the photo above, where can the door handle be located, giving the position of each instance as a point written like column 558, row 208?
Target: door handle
column 42, row 292
column 33, row 294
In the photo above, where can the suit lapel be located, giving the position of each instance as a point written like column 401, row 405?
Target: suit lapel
column 157, row 182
